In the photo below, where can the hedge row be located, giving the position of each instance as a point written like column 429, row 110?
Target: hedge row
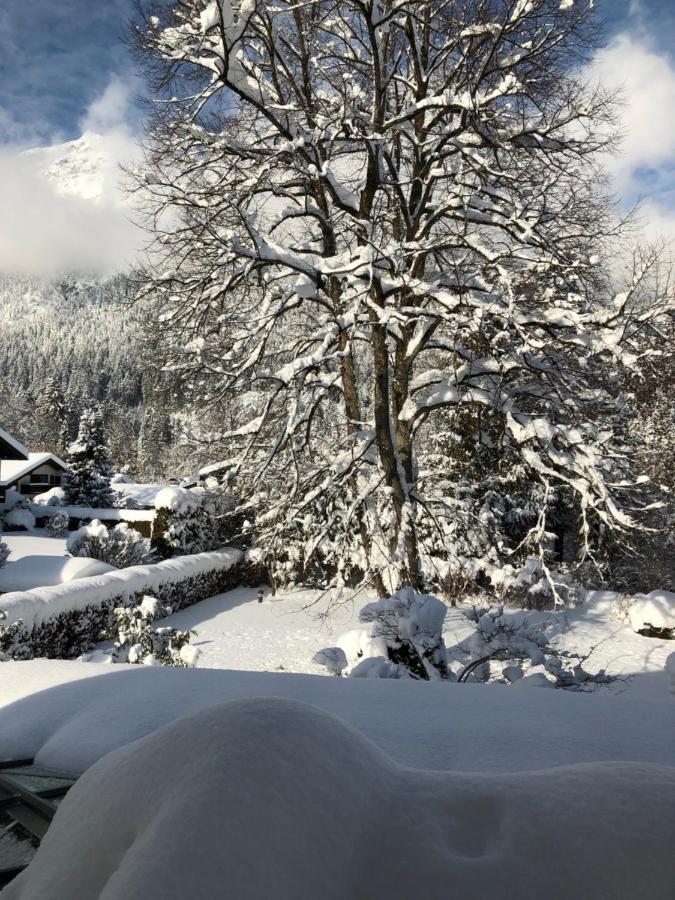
column 70, row 633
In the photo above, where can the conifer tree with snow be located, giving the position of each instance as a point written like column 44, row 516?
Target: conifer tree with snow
column 389, row 243
column 51, row 412
column 87, row 480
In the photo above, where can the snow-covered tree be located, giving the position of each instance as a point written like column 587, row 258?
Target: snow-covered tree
column 51, row 412
column 120, row 546
column 382, row 228
column 138, row 640
column 87, row 481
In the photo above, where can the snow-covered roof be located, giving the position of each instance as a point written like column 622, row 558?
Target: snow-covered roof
column 13, row 469
column 143, row 494
column 179, row 499
column 13, row 443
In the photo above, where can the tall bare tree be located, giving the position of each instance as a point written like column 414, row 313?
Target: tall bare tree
column 375, row 220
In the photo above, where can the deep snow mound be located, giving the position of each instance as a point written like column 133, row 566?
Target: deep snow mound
column 270, row 798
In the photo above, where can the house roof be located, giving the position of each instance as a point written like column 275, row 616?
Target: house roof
column 10, row 448
column 13, row 469
column 143, row 494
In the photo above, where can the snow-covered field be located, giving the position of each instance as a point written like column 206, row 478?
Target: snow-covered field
column 272, row 798
column 38, row 560
column 284, row 632
column 33, row 543
column 268, row 778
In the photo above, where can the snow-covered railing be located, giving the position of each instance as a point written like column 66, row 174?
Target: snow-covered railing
column 64, row 620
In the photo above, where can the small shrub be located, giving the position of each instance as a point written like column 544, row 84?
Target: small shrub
column 4, row 553
column 137, row 640
column 405, row 641
column 120, row 546
column 8, row 634
column 57, row 526
column 19, row 517
column 506, row 649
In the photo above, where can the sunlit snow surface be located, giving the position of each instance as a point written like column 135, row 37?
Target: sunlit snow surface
column 196, row 787
column 269, row 798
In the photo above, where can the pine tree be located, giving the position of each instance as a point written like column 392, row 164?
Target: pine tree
column 51, row 412
column 87, row 482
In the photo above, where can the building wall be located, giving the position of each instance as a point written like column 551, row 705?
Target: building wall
column 29, row 485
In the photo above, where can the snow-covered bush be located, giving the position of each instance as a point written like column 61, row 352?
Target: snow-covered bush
column 57, row 525
column 125, row 501
column 120, row 546
column 8, row 634
column 19, row 517
column 55, row 496
column 511, row 649
column 4, row 552
column 652, row 615
column 405, row 640
column 137, row 640
column 333, row 658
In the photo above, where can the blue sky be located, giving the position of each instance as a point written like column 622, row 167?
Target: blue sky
column 64, row 69
column 58, row 56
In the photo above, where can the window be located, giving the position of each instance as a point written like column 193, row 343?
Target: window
column 39, row 479
column 55, row 479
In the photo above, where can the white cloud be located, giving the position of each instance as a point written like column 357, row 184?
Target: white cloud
column 111, row 110
column 644, row 165
column 44, row 232
column 647, row 81
column 62, row 207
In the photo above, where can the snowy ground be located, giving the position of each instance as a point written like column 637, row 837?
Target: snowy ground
column 234, row 631
column 275, row 798
column 38, row 560
column 33, row 543
column 377, row 788
column 69, row 714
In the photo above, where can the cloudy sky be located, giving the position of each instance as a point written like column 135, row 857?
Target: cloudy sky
column 64, row 70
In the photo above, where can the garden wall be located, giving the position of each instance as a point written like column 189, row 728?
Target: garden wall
column 65, row 620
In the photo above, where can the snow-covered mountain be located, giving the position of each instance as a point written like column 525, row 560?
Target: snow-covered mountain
column 87, row 167
column 64, row 209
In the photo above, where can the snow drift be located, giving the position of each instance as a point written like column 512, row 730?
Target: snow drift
column 31, row 572
column 67, row 715
column 656, row 609
column 270, row 798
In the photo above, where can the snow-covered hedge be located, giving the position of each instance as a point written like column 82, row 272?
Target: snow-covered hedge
column 191, row 521
column 63, row 621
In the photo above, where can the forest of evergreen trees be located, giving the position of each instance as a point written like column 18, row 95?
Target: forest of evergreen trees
column 73, row 342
